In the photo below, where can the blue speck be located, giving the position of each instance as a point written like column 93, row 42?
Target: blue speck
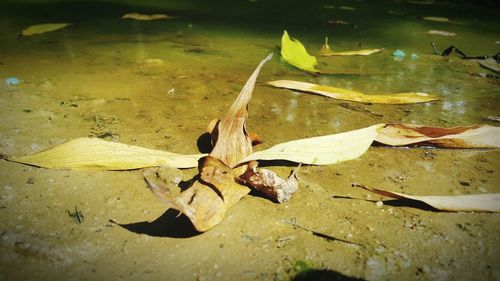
column 413, row 56
column 12, row 81
column 398, row 53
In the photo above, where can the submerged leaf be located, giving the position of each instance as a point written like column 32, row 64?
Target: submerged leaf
column 323, row 150
column 97, row 154
column 326, row 51
column 137, row 16
column 442, row 33
column 437, row 19
column 475, row 136
column 350, row 95
column 42, row 28
column 480, row 202
column 296, row 54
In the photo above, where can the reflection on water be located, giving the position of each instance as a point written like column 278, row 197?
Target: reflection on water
column 164, row 80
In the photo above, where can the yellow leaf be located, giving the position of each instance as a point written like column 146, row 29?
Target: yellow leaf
column 296, row 54
column 327, row 51
column 97, row 154
column 137, row 16
column 323, row 150
column 475, row 136
column 350, row 95
column 480, row 202
column 42, row 28
column 441, row 32
column 438, row 19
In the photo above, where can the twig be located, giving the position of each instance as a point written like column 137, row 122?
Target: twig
column 323, row 235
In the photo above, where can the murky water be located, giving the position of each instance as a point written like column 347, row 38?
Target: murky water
column 158, row 84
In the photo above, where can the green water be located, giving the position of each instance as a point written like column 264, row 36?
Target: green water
column 213, row 47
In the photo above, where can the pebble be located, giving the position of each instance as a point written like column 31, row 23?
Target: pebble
column 398, row 53
column 379, row 204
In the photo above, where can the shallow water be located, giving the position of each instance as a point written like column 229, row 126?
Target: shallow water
column 158, row 84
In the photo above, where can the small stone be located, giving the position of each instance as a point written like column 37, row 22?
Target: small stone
column 398, row 54
column 464, row 183
column 379, row 204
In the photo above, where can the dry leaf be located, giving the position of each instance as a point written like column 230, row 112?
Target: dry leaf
column 296, row 54
column 326, row 51
column 475, row 136
column 480, row 202
column 441, row 32
column 207, row 200
column 490, row 63
column 97, row 154
column 323, row 150
column 232, row 142
column 42, row 28
column 270, row 183
column 205, row 203
column 137, row 16
column 350, row 95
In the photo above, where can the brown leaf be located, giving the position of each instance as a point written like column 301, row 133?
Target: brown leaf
column 270, row 183
column 233, row 143
column 206, row 201
column 475, row 136
column 479, row 202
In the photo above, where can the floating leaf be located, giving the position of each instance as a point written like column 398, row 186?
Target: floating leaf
column 327, row 51
column 490, row 63
column 296, row 54
column 97, row 154
column 441, row 32
column 480, row 202
column 323, row 150
column 475, row 136
column 137, row 16
column 350, row 95
column 42, row 28
column 438, row 19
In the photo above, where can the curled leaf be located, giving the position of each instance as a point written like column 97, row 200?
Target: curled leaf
column 42, row 28
column 350, row 95
column 327, row 51
column 270, row 183
column 205, row 202
column 479, row 202
column 475, row 136
column 97, row 154
column 137, row 16
column 216, row 190
column 232, row 142
column 323, row 150
column 296, row 54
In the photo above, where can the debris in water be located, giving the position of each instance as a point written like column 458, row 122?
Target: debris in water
column 12, row 81
column 77, row 216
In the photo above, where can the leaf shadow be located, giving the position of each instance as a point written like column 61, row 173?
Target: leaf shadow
column 169, row 224
column 397, row 203
column 323, row 275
